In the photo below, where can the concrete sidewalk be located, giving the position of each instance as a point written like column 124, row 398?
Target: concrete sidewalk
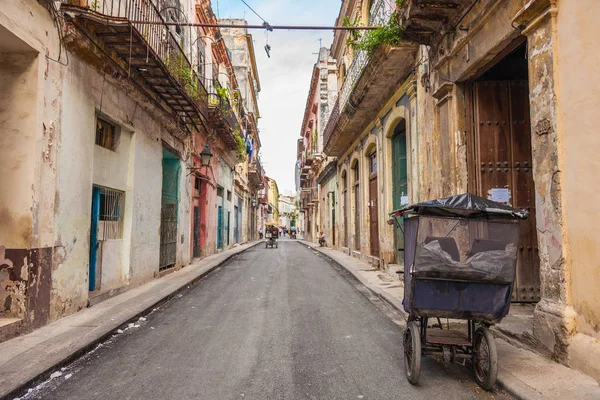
column 33, row 356
column 521, row 373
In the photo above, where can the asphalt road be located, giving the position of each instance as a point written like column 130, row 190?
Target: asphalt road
column 271, row 324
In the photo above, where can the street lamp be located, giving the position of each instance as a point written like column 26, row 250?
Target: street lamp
column 205, row 156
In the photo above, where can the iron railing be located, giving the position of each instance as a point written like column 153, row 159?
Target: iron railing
column 220, row 101
column 160, row 39
column 380, row 13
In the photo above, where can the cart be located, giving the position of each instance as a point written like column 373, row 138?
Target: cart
column 271, row 235
column 460, row 256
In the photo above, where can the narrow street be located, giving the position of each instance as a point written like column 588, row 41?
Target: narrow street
column 271, row 324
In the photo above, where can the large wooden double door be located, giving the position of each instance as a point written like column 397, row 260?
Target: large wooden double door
column 500, row 161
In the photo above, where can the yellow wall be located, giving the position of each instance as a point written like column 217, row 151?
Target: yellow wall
column 578, row 76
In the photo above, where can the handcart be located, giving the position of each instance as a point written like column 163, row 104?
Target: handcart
column 271, row 235
column 460, row 256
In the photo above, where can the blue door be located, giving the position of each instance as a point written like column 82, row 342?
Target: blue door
column 220, row 227
column 94, row 237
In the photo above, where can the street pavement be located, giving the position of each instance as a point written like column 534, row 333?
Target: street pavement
column 270, row 324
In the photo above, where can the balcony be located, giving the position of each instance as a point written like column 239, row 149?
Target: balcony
column 372, row 78
column 150, row 55
column 222, row 116
column 263, row 199
column 255, row 173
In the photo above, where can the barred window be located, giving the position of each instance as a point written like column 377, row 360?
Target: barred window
column 106, row 134
column 110, row 225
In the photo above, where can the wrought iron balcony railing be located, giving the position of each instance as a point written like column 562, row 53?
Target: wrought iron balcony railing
column 133, row 30
column 381, row 11
column 219, row 102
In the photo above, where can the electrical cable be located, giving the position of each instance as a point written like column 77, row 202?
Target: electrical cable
column 251, row 9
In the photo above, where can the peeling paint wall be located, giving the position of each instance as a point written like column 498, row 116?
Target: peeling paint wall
column 50, row 163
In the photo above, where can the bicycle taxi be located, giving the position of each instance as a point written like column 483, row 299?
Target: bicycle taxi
column 460, row 256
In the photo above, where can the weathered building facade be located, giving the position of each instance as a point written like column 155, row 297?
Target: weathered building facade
column 487, row 97
column 104, row 121
column 321, row 97
column 249, row 176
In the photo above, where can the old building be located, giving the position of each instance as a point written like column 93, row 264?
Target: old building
column 492, row 97
column 248, row 176
column 287, row 211
column 321, row 97
column 104, row 122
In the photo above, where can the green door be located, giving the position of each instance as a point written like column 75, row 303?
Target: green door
column 400, row 183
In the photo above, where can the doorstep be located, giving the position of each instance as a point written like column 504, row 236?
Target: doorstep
column 522, row 373
column 98, row 296
column 9, row 327
column 34, row 356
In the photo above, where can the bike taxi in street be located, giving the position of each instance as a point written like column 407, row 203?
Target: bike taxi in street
column 271, row 234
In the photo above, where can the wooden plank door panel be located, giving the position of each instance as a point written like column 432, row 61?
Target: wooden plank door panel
column 373, row 217
column 503, row 157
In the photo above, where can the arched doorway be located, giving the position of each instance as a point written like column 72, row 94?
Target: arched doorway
column 346, row 208
column 373, row 203
column 356, row 189
column 399, row 182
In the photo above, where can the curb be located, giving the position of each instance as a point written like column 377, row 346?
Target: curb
column 380, row 293
column 15, row 392
column 506, row 381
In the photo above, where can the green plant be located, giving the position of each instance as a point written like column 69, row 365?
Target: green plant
column 390, row 33
column 315, row 139
column 240, row 147
column 223, row 93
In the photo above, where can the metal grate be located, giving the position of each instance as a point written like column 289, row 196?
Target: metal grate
column 110, row 224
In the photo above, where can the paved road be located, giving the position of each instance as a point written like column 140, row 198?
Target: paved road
column 271, row 324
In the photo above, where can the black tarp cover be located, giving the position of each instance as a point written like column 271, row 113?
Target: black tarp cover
column 465, row 205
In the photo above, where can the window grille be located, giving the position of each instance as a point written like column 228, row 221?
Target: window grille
column 110, row 224
column 106, row 134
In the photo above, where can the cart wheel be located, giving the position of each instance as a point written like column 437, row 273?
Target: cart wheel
column 276, row 245
column 485, row 358
column 412, row 352
column 266, row 245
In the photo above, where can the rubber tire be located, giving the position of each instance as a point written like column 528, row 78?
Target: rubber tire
column 413, row 367
column 276, row 245
column 483, row 333
column 266, row 245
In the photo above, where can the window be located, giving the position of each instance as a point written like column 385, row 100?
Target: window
column 219, row 191
column 201, row 60
column 110, row 225
column 355, row 173
column 228, row 195
column 106, row 134
column 197, row 183
column 373, row 163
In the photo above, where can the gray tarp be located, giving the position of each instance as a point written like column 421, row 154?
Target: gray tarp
column 465, row 205
column 498, row 266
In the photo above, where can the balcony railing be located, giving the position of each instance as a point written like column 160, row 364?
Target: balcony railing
column 218, row 102
column 150, row 52
column 381, row 11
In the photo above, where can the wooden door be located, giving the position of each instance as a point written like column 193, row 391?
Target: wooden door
column 373, row 207
column 346, row 219
column 373, row 217
column 502, row 156
column 356, row 217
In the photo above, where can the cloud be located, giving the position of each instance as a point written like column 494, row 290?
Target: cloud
column 285, row 77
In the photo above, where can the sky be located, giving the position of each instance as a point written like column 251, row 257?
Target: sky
column 285, row 77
